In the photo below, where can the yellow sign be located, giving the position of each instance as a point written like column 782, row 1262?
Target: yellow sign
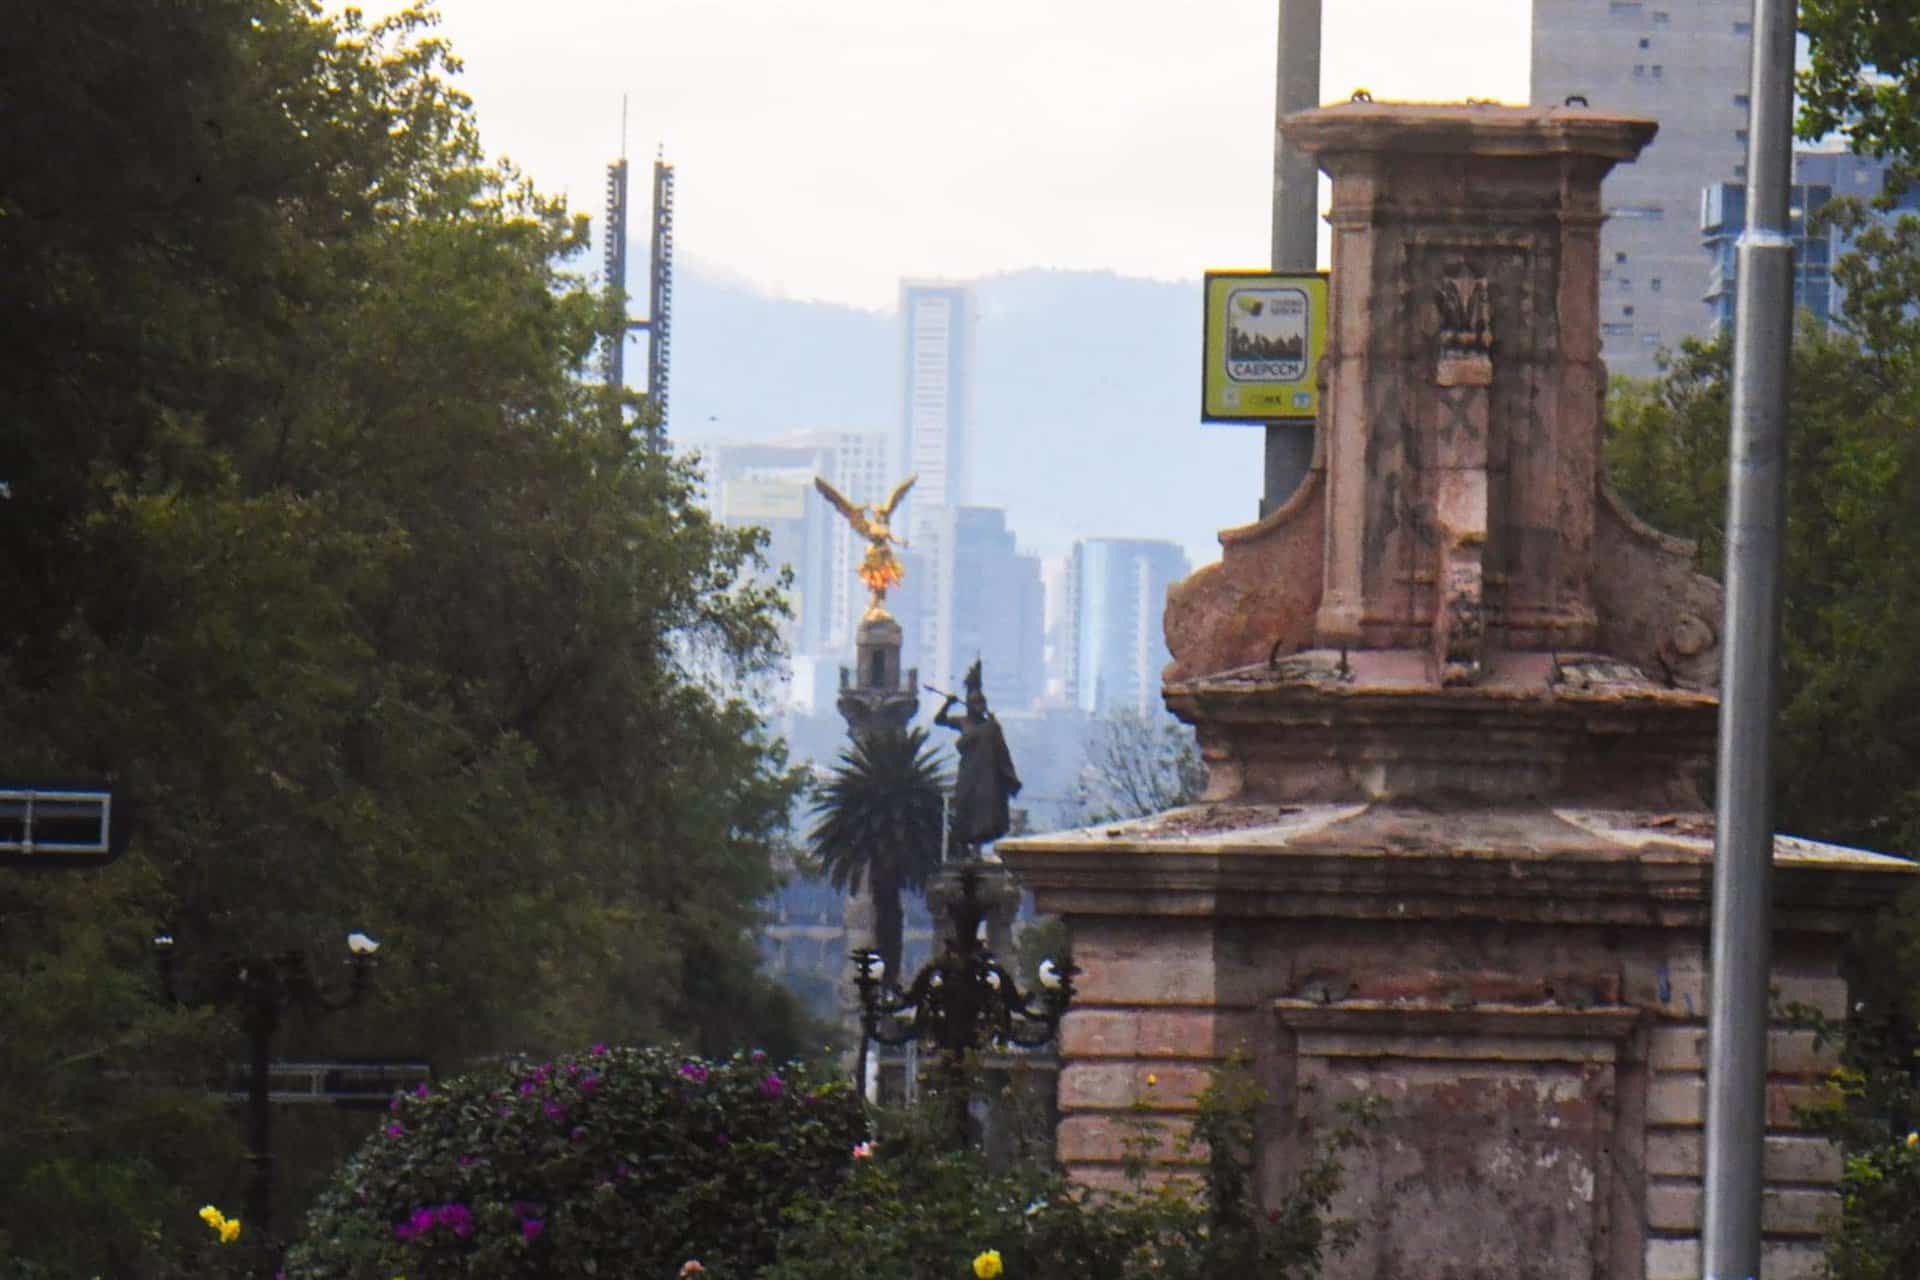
column 1265, row 334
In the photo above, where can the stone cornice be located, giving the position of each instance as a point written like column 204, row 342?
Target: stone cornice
column 1487, row 130
column 1376, row 862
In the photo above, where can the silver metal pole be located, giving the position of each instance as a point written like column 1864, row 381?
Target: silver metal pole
column 1756, row 521
column 1296, row 218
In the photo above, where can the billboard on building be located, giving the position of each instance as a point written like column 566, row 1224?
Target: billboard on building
column 752, row 498
column 1265, row 334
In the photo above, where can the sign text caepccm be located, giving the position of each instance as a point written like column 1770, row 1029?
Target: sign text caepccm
column 1265, row 334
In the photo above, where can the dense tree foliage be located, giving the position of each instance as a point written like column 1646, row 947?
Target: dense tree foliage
column 880, row 821
column 1849, row 744
column 1848, row 749
column 1862, row 79
column 315, row 537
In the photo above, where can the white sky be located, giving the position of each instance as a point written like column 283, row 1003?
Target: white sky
column 826, row 148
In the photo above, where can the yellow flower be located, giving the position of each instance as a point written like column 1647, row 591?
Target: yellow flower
column 987, row 1265
column 1913, row 1139
column 1152, row 1079
column 227, row 1228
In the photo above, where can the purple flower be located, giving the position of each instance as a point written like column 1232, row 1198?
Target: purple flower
column 555, row 1112
column 578, row 1133
column 467, row 1161
column 395, row 1130
column 456, row 1217
column 758, row 1055
column 395, row 1104
column 421, row 1092
column 527, row 1087
column 530, row 1228
column 694, row 1072
column 589, row 1083
column 772, row 1087
column 599, row 1050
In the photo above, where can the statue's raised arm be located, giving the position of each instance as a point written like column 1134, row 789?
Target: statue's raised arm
column 985, row 780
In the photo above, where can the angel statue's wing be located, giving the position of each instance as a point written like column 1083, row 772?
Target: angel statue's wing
column 854, row 515
column 899, row 492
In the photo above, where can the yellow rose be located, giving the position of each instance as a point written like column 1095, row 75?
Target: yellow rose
column 229, row 1231
column 1913, row 1139
column 212, row 1216
column 987, row 1265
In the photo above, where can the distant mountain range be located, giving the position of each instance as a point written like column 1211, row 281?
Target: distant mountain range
column 1086, row 397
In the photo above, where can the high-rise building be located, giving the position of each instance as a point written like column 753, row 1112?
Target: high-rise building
column 1117, row 592
column 936, row 322
column 770, row 484
column 1818, row 177
column 1685, row 64
column 937, row 328
column 855, row 463
column 993, row 609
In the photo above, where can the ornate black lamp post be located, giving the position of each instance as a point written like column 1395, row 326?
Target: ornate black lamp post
column 963, row 1001
column 263, row 989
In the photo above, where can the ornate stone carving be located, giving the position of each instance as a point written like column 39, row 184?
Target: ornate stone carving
column 1466, row 331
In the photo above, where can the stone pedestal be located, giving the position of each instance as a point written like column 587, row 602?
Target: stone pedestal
column 1526, row 989
column 875, row 696
column 1456, row 706
column 997, row 892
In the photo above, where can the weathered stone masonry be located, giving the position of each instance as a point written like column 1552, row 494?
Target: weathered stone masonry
column 1456, row 705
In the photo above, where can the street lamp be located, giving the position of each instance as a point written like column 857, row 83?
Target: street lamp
column 262, row 990
column 962, row 1001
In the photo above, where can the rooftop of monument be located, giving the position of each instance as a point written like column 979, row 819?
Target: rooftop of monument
column 1585, row 679
column 1411, row 860
column 1468, row 128
column 1453, row 676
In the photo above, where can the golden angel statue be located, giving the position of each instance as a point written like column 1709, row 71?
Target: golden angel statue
column 880, row 568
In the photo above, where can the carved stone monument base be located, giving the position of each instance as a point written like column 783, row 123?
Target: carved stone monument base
column 1456, row 705
column 1524, row 988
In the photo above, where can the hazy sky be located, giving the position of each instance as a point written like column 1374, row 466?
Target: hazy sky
column 826, row 149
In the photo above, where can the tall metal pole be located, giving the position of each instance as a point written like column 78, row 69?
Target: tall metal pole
column 1296, row 218
column 1756, row 521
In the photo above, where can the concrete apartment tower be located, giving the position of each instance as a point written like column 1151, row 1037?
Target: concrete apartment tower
column 1683, row 63
column 936, row 322
column 1455, row 703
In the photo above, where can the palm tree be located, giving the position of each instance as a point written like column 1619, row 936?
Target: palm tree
column 879, row 820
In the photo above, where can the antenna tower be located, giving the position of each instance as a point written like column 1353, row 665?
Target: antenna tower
column 660, row 293
column 613, row 365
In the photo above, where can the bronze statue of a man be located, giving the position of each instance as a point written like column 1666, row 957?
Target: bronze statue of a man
column 985, row 780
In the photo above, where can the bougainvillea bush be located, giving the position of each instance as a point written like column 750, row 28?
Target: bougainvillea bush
column 613, row 1162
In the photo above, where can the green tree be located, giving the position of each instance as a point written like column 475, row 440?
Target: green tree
column 879, row 821
column 1849, row 743
column 1862, row 79
column 315, row 535
column 1848, row 749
